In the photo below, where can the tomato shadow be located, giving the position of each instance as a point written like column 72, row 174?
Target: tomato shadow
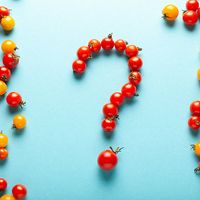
column 18, row 132
column 170, row 24
column 3, row 162
column 194, row 133
column 78, row 76
column 2, row 192
column 107, row 176
column 107, row 135
column 13, row 110
column 189, row 28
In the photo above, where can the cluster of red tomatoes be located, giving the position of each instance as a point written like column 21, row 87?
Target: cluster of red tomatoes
column 19, row 191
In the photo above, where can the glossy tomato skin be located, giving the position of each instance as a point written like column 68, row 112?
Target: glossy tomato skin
column 192, row 5
column 3, row 184
column 19, row 191
column 5, row 74
column 135, row 78
column 84, row 53
column 79, row 66
column 120, row 45
column 198, row 12
column 129, row 90
column 3, row 153
column 108, row 43
column 110, row 110
column 117, row 99
column 94, row 45
column 195, row 108
column 107, row 160
column 4, row 11
column 10, row 60
column 14, row 99
column 108, row 125
column 135, row 63
column 190, row 17
column 194, row 122
column 131, row 51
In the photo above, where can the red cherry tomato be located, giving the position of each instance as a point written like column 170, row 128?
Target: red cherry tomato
column 117, row 99
column 19, row 191
column 108, row 125
column 14, row 99
column 129, row 90
column 84, row 53
column 4, row 11
column 194, row 122
column 3, row 184
column 3, row 153
column 195, row 108
column 135, row 78
column 132, row 50
column 94, row 45
column 120, row 45
column 4, row 74
column 110, row 110
column 10, row 60
column 192, row 5
column 107, row 43
column 190, row 17
column 135, row 63
column 79, row 66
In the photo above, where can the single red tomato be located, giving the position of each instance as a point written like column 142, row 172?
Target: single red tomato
column 3, row 184
column 19, row 191
column 117, row 99
column 108, row 43
column 4, row 74
column 3, row 153
column 120, row 45
column 194, row 122
column 110, row 110
column 10, row 60
column 195, row 108
column 190, row 17
column 94, row 45
column 79, row 66
column 14, row 100
column 192, row 5
column 135, row 78
column 132, row 50
column 108, row 125
column 129, row 90
column 135, row 63
column 4, row 11
column 84, row 53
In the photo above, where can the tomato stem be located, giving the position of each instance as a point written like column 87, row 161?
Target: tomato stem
column 110, row 35
column 197, row 169
column 118, row 149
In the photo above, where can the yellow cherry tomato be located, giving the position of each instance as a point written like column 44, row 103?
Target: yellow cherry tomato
column 3, row 140
column 3, row 88
column 19, row 122
column 7, row 197
column 7, row 23
column 198, row 74
column 8, row 46
column 196, row 148
column 170, row 12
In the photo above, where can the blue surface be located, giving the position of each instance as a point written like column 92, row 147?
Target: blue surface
column 55, row 156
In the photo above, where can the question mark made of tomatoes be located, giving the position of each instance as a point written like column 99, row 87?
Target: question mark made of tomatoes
column 107, row 159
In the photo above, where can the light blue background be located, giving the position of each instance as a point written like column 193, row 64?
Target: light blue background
column 55, row 156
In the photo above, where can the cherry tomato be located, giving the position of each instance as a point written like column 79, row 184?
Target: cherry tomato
column 79, row 66
column 7, row 23
column 110, row 110
column 84, row 53
column 19, row 122
column 10, row 60
column 190, row 17
column 194, row 122
column 198, row 168
column 19, row 191
column 7, row 197
column 5, row 74
column 117, row 99
column 108, row 125
column 94, row 45
column 170, row 12
column 3, row 184
column 129, row 90
column 3, row 88
column 8, row 46
column 3, row 153
column 132, row 50
column 135, row 63
column 4, row 11
column 192, row 5
column 3, row 140
column 196, row 148
column 14, row 99
column 107, row 160
column 195, row 108
column 108, row 43
column 198, row 12
column 135, row 78
column 120, row 45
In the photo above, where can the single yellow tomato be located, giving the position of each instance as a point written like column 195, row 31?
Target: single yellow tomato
column 3, row 140
column 3, row 88
column 7, row 23
column 170, row 12
column 7, row 197
column 19, row 122
column 8, row 46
